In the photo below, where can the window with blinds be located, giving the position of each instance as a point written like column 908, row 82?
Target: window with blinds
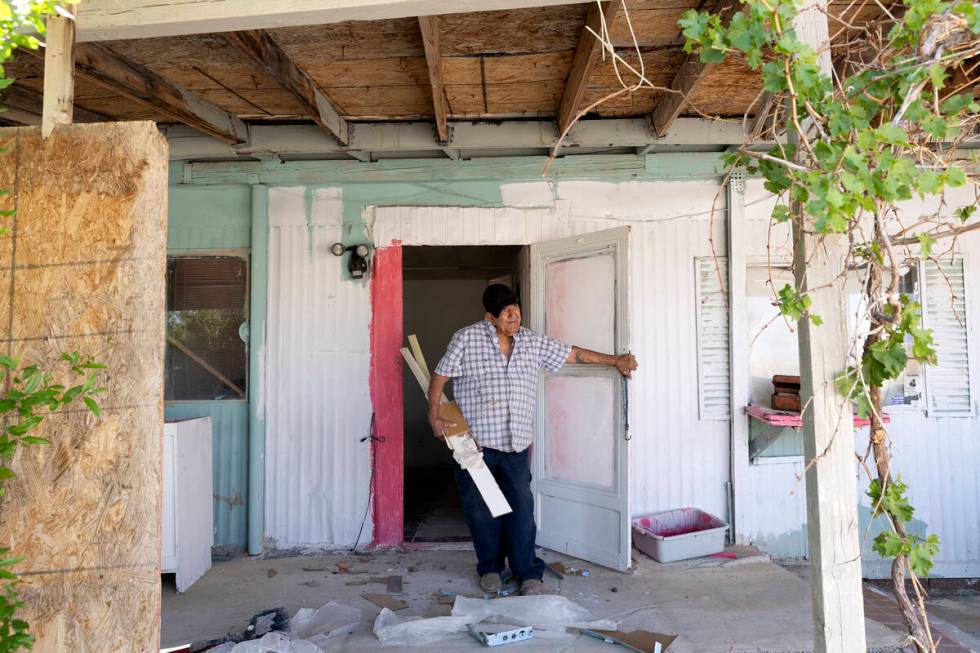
column 945, row 312
column 714, row 383
column 206, row 357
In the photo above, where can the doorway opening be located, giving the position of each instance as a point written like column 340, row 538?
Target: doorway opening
column 441, row 293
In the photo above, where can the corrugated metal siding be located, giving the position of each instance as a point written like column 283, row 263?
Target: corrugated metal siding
column 936, row 456
column 209, row 218
column 677, row 460
column 202, row 219
column 317, row 359
column 229, row 460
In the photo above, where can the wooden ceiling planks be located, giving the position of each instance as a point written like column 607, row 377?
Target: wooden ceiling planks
column 495, row 65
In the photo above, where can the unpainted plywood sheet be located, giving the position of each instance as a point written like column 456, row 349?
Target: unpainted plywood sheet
column 83, row 268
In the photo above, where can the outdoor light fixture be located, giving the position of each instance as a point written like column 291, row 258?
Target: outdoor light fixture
column 357, row 265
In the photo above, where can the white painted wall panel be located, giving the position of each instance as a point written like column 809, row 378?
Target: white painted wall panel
column 677, row 460
column 317, row 470
column 937, row 457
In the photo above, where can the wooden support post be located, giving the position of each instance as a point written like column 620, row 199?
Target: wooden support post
column 828, row 430
column 59, row 74
column 738, row 354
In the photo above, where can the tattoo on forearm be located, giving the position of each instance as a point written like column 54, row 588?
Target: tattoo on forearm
column 580, row 356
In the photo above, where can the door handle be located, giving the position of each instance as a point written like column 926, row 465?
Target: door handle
column 626, row 409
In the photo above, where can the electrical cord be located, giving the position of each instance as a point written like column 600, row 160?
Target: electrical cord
column 372, row 435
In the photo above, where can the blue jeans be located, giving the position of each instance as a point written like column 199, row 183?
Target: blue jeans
column 509, row 537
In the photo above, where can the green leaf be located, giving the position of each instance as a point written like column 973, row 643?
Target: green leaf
column 964, row 213
column 888, row 544
column 954, row 176
column 6, row 473
column 92, row 406
column 781, row 213
column 32, row 439
column 8, row 362
column 26, row 425
column 891, row 134
column 921, row 553
column 925, row 244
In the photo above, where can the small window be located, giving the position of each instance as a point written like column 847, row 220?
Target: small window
column 206, row 355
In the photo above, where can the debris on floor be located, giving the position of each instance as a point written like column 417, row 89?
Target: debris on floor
column 498, row 634
column 642, row 641
column 385, row 601
column 560, row 569
column 272, row 631
column 549, row 616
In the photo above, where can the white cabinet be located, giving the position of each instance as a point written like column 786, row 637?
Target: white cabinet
column 188, row 517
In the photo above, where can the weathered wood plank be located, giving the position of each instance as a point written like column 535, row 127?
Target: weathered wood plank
column 429, row 26
column 589, row 49
column 266, row 54
column 26, row 101
column 59, row 74
column 120, row 75
column 685, row 84
column 90, row 259
column 106, row 20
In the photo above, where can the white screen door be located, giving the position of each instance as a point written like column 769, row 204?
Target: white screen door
column 579, row 296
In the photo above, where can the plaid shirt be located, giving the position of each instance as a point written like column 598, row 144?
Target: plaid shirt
column 497, row 395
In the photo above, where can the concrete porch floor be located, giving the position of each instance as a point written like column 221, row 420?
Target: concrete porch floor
column 713, row 604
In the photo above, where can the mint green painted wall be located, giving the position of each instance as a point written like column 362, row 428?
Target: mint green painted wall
column 217, row 217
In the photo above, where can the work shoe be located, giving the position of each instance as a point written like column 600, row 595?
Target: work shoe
column 532, row 587
column 491, row 583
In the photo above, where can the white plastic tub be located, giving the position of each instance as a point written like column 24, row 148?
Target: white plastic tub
column 679, row 534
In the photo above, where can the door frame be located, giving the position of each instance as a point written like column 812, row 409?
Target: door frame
column 392, row 225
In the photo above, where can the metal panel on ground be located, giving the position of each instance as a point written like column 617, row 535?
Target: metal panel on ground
column 229, row 438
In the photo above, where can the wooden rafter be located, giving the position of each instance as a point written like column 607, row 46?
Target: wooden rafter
column 429, row 26
column 140, row 84
column 24, row 106
column 588, row 51
column 266, row 54
column 686, row 82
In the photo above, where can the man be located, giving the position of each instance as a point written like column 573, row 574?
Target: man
column 494, row 367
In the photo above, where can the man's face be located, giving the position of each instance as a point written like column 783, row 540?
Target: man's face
column 509, row 320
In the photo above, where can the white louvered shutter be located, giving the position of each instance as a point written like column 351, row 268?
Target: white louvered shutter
column 948, row 382
column 714, row 382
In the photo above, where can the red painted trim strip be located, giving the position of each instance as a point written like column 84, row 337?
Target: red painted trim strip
column 387, row 397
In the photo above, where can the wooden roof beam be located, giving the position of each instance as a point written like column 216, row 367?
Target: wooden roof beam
column 108, row 20
column 143, row 86
column 24, row 106
column 686, row 82
column 588, row 51
column 429, row 26
column 266, row 54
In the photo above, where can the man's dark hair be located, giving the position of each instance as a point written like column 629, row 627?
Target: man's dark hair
column 497, row 297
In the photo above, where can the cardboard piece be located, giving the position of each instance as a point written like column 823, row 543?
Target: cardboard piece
column 642, row 641
column 385, row 601
column 450, row 412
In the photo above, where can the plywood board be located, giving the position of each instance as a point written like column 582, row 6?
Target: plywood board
column 84, row 265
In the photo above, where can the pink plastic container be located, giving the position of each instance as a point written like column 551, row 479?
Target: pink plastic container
column 679, row 534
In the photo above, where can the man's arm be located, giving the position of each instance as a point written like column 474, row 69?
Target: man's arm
column 436, row 385
column 625, row 363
